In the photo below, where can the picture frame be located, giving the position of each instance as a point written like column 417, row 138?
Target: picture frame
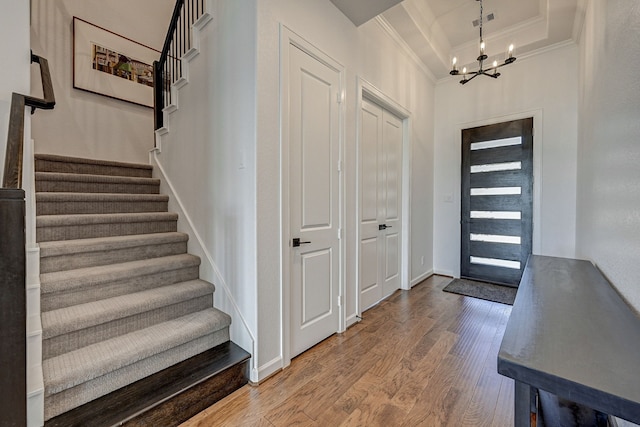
column 108, row 64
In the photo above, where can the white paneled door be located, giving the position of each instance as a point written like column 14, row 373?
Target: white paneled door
column 380, row 204
column 314, row 134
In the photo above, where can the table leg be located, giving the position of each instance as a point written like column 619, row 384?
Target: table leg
column 526, row 407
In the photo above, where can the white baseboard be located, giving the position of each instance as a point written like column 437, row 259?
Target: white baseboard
column 445, row 273
column 270, row 368
column 352, row 320
column 421, row 277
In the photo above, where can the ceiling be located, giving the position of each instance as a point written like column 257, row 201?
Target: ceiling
column 438, row 30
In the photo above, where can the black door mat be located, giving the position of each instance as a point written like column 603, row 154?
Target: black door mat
column 482, row 290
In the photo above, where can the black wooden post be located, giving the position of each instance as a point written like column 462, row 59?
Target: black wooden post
column 13, row 316
column 158, row 94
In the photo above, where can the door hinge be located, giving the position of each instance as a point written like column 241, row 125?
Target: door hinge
column 339, row 165
column 339, row 233
column 339, row 300
column 340, row 97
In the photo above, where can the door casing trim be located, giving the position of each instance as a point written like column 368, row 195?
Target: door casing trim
column 537, row 169
column 289, row 38
column 366, row 90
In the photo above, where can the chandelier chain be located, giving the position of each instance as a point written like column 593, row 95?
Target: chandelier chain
column 481, row 13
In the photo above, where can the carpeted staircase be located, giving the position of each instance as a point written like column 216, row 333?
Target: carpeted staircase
column 121, row 298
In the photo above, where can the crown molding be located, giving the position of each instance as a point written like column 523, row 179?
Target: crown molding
column 578, row 22
column 384, row 24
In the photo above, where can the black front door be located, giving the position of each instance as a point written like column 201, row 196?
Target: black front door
column 497, row 201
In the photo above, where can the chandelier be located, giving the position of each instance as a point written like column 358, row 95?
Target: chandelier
column 491, row 71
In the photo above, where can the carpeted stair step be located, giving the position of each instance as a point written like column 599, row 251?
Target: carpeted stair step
column 86, row 183
column 63, row 255
column 86, row 226
column 65, row 164
column 80, row 376
column 50, row 203
column 66, row 288
column 121, row 299
column 70, row 328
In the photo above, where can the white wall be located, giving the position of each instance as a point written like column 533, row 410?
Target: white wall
column 222, row 151
column 84, row 124
column 544, row 86
column 367, row 52
column 14, row 31
column 608, row 228
column 208, row 156
column 226, row 170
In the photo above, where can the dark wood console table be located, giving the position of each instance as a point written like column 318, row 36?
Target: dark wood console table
column 571, row 334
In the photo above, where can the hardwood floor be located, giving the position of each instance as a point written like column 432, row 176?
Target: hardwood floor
column 420, row 358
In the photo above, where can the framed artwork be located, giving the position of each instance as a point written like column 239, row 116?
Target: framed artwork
column 109, row 64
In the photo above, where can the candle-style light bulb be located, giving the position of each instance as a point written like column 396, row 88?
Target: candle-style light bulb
column 481, row 47
column 454, row 63
column 495, row 64
column 511, row 51
column 464, row 70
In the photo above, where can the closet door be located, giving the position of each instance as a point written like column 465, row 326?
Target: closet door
column 314, row 200
column 380, row 203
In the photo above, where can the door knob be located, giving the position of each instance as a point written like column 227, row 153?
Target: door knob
column 384, row 226
column 296, row 242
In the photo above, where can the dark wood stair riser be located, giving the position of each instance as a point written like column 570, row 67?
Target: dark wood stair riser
column 195, row 400
column 168, row 397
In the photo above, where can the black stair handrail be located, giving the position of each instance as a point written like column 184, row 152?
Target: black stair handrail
column 168, row 69
column 15, row 138
column 13, row 270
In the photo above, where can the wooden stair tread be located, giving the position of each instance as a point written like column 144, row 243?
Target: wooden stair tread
column 158, row 397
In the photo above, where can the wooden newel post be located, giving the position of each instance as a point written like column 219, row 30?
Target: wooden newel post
column 13, row 319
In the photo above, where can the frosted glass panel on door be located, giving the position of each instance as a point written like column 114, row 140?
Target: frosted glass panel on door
column 496, row 167
column 496, row 262
column 495, row 215
column 494, row 238
column 496, row 143
column 496, row 191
